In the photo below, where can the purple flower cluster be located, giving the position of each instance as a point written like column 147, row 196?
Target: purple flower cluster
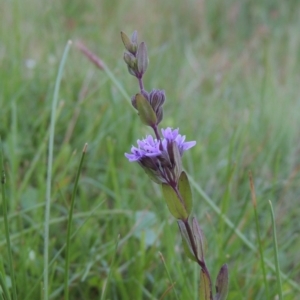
column 150, row 147
column 159, row 156
column 161, row 159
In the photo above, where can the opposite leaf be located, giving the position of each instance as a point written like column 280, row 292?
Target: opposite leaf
column 222, row 284
column 186, row 192
column 199, row 239
column 186, row 241
column 205, row 288
column 175, row 206
column 145, row 110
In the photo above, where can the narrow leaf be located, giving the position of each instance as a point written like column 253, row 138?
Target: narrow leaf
column 205, row 292
column 175, row 206
column 145, row 110
column 176, row 158
column 222, row 284
column 275, row 246
column 186, row 192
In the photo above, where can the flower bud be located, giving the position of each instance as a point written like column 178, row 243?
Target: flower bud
column 134, row 42
column 157, row 99
column 142, row 59
column 131, row 47
column 130, row 60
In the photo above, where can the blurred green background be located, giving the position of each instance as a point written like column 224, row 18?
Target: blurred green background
column 230, row 70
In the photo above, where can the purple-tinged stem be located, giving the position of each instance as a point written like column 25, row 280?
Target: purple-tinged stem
column 187, row 225
column 200, row 263
column 141, row 84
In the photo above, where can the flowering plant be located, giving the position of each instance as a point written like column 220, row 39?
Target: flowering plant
column 161, row 159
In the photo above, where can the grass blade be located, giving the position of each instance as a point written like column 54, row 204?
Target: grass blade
column 67, row 264
column 6, row 227
column 276, row 253
column 170, row 278
column 110, row 270
column 4, row 290
column 49, row 170
column 260, row 247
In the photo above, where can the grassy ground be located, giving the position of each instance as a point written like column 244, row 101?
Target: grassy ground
column 231, row 74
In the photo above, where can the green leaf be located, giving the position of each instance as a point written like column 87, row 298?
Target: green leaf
column 146, row 112
column 175, row 206
column 222, row 284
column 205, row 289
column 186, row 192
column 186, row 241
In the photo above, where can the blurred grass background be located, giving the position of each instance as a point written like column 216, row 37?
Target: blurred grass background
column 231, row 75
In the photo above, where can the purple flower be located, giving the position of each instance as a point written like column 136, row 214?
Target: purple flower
column 173, row 135
column 159, row 158
column 149, row 147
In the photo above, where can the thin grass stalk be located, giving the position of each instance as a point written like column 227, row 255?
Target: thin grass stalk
column 259, row 240
column 67, row 263
column 110, row 270
column 4, row 293
column 275, row 245
column 6, row 227
column 169, row 276
column 49, row 170
column 58, row 253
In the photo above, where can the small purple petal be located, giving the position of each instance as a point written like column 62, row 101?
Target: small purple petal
column 188, row 145
column 173, row 135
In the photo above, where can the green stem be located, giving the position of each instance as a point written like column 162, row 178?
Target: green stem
column 67, row 264
column 276, row 253
column 259, row 240
column 7, row 236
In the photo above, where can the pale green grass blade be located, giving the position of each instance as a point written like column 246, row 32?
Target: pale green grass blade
column 169, row 276
column 275, row 245
column 49, row 170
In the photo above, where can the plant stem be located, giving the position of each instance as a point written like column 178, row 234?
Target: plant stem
column 200, row 263
column 141, row 84
column 67, row 264
column 4, row 201
column 279, row 285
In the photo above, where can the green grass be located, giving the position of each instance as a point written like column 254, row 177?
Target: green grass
column 231, row 75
